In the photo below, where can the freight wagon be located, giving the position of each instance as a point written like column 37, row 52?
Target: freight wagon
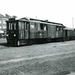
column 29, row 31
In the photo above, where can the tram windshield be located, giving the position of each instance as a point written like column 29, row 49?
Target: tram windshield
column 12, row 26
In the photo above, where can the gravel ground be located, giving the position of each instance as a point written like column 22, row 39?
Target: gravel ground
column 46, row 67
column 42, row 67
column 36, row 50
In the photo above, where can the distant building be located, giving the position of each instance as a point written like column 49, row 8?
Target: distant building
column 3, row 24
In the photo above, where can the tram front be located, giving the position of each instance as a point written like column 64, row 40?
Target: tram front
column 12, row 31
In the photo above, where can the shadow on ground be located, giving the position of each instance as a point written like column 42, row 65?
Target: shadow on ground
column 3, row 44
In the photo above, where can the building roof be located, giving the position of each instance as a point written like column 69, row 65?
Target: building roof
column 1, row 16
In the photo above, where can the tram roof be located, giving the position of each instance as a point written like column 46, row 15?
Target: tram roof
column 41, row 21
column 36, row 21
column 66, row 28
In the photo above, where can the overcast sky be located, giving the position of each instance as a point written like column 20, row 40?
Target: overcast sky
column 60, row 11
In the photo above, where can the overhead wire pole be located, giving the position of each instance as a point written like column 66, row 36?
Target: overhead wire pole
column 73, row 22
column 36, row 17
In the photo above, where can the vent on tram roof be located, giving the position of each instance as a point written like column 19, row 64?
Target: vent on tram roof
column 11, row 18
column 25, row 18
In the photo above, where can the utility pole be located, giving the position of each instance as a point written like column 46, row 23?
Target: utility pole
column 36, row 17
column 73, row 22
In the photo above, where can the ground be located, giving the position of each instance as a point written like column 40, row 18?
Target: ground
column 56, row 58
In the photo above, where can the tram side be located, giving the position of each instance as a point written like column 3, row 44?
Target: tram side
column 29, row 31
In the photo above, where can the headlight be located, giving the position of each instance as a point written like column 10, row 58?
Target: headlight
column 14, row 34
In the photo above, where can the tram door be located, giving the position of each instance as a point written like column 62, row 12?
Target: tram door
column 26, row 30
column 66, row 33
column 23, row 30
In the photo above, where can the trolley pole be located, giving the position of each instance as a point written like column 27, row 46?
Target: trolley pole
column 73, row 22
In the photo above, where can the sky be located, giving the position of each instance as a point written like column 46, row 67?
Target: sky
column 60, row 11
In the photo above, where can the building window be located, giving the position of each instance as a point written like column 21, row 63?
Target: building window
column 4, row 22
column 0, row 21
column 4, row 27
column 0, row 27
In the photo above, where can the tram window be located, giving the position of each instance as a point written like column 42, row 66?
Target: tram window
column 57, row 28
column 9, row 26
column 32, row 26
column 19, row 25
column 14, row 26
column 45, row 27
column 41, row 26
column 38, row 26
column 26, row 25
column 22, row 25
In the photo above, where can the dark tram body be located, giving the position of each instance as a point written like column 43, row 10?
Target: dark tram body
column 69, row 33
column 29, row 31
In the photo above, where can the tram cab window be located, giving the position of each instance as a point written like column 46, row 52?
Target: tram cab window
column 9, row 25
column 12, row 26
column 15, row 26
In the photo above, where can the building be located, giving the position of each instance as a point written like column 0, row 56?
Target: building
column 3, row 24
